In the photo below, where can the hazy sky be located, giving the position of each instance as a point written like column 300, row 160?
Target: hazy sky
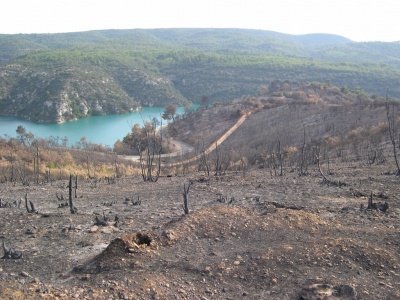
column 359, row 20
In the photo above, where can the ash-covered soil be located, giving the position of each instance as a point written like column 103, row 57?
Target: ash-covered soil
column 247, row 236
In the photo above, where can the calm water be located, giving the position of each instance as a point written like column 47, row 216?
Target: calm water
column 105, row 130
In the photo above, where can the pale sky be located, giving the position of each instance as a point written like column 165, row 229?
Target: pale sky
column 358, row 20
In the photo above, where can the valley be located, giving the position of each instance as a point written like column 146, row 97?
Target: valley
column 57, row 78
column 292, row 187
column 298, row 199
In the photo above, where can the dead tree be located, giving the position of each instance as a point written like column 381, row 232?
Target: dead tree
column 76, row 186
column 280, row 158
column 370, row 203
column 70, row 193
column 116, row 167
column 150, row 154
column 392, row 132
column 221, row 160
column 72, row 208
column 36, row 166
column 48, row 176
column 203, row 164
column 217, row 160
column 21, row 170
column 302, row 163
column 185, row 198
column 88, row 166
column 12, row 177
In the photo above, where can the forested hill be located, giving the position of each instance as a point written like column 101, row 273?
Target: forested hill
column 61, row 77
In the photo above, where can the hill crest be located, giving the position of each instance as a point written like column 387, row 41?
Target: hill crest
column 126, row 69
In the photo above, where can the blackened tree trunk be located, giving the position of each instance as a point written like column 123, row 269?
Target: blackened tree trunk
column 72, row 208
column 392, row 132
column 186, row 198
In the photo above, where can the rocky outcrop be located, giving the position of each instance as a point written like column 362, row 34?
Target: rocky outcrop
column 63, row 95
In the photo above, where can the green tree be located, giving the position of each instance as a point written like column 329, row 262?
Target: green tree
column 155, row 122
column 169, row 112
column 21, row 132
column 148, row 145
column 24, row 136
column 205, row 100
column 263, row 90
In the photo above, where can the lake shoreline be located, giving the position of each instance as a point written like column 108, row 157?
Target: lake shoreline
column 104, row 130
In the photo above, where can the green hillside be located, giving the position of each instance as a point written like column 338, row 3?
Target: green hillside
column 61, row 77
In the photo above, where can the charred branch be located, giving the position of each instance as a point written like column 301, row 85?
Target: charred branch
column 377, row 206
column 280, row 205
column 134, row 203
column 324, row 178
column 7, row 204
column 105, row 221
column 99, row 222
column 10, row 253
column 137, row 202
column 31, row 207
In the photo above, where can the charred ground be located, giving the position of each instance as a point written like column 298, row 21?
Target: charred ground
column 250, row 233
column 278, row 236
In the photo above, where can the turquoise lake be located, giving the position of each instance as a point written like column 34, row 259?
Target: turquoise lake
column 105, row 130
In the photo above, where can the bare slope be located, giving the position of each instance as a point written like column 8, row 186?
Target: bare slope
column 277, row 237
column 292, row 116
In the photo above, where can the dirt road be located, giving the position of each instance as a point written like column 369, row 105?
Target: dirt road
column 214, row 145
column 186, row 148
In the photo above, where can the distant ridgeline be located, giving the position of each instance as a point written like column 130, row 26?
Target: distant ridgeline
column 61, row 77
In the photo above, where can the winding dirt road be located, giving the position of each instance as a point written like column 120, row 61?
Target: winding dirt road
column 214, row 145
column 185, row 148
